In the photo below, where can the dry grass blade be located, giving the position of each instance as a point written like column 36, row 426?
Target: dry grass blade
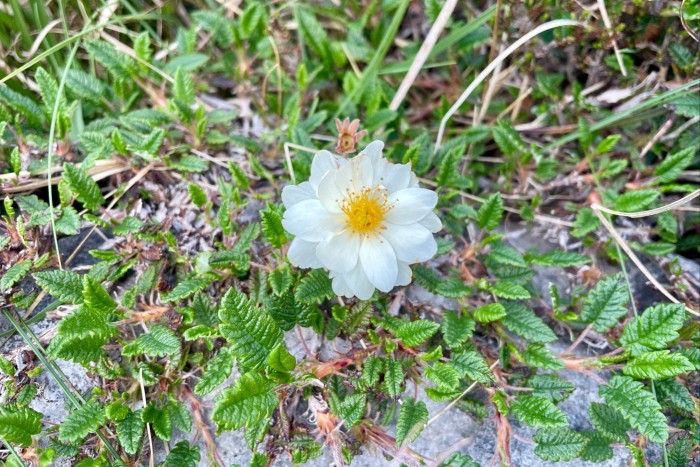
column 495, row 63
column 423, row 53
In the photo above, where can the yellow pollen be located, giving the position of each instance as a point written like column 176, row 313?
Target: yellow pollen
column 365, row 210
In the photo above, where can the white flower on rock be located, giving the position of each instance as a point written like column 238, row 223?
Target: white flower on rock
column 363, row 219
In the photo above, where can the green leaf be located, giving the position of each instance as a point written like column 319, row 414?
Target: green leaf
column 280, row 359
column 652, row 330
column 607, row 144
column 551, row 387
column 371, row 369
column 48, row 88
column 597, row 447
column 315, row 287
column 675, row 392
column 230, row 259
column 413, row 417
column 18, row 426
column 562, row 259
column 130, row 432
column 6, row 366
column 671, row 167
column 586, row 222
column 182, row 455
column 452, row 287
column 23, row 105
column 160, row 341
column 637, row 200
column 393, row 377
column 688, row 106
column 509, row 290
column 637, row 405
column 119, row 65
column 605, row 304
column 197, row 195
column 280, row 280
column 472, row 364
column 352, row 408
column 680, row 452
column 314, row 35
column 558, row 444
column 180, row 416
column 504, row 254
column 84, row 86
column 218, row 369
column 456, row 330
column 538, row 411
column 14, row 275
column 414, row 333
column 184, row 87
column 160, row 421
column 539, row 356
column 271, row 219
column 489, row 313
column 444, row 375
column 659, row 364
column 96, row 298
column 448, row 170
column 525, row 323
column 251, row 400
column 489, row 214
column 250, row 329
column 78, row 423
column 508, row 139
column 85, row 187
column 185, row 289
column 459, row 460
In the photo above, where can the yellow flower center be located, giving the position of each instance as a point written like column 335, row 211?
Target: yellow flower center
column 365, row 210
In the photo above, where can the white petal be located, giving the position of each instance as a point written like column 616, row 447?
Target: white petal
column 412, row 243
column 396, row 177
column 404, row 274
column 379, row 262
column 355, row 176
column 410, row 205
column 358, row 283
column 323, row 162
column 413, row 183
column 339, row 253
column 310, row 221
column 303, row 254
column 374, row 151
column 431, row 222
column 341, row 287
column 293, row 194
column 329, row 194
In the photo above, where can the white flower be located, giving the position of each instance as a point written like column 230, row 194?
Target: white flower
column 363, row 219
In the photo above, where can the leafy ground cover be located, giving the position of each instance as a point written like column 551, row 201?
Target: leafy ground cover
column 165, row 134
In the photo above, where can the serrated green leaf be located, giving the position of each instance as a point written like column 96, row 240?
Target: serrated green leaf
column 558, row 444
column 452, row 287
column 448, row 170
column 489, row 313
column 562, row 259
column 504, row 254
column 633, row 201
column 18, row 426
column 85, row 188
column 538, row 411
column 607, row 144
column 84, row 86
column 680, row 452
column 456, row 330
column 586, row 222
column 182, row 455
column 659, row 364
column 675, row 392
column 509, row 290
column 371, row 370
column 508, row 139
column 280, row 280
column 393, row 377
column 414, row 333
column 218, row 369
column 489, row 214
column 96, row 298
column 597, row 447
column 550, row 387
column 14, row 275
column 130, row 431
column 688, row 106
column 473, row 366
column 671, row 167
column 444, row 375
column 180, row 416
column 525, row 323
column 637, row 405
column 183, row 87
column 185, row 289
column 250, row 329
column 315, row 287
column 230, row 259
column 251, row 400
column 538, row 355
column 610, row 421
column 605, row 304
column 280, row 359
column 459, row 460
column 652, row 330
column 119, row 65
column 413, row 417
column 78, row 423
column 352, row 408
column 271, row 220
column 158, row 342
column 23, row 105
column 48, row 88
column 6, row 366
